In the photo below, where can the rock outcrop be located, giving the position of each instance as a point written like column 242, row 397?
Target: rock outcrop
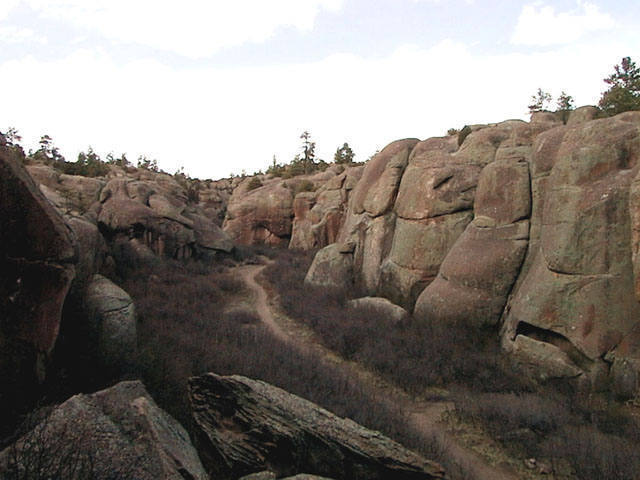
column 319, row 215
column 143, row 214
column 531, row 228
column 115, row 433
column 247, row 426
column 577, row 291
column 37, row 264
column 262, row 215
column 144, row 217
column 303, row 212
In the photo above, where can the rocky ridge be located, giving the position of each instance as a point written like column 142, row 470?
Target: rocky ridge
column 526, row 227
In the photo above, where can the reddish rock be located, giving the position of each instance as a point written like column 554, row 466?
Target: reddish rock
column 37, row 257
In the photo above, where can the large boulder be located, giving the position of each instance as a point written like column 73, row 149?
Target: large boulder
column 332, row 267
column 37, row 265
column 379, row 307
column 111, row 318
column 249, row 426
column 115, row 433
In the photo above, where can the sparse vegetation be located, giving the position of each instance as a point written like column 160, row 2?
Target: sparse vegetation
column 254, row 183
column 527, row 420
column 186, row 328
column 564, row 106
column 540, row 101
column 303, row 186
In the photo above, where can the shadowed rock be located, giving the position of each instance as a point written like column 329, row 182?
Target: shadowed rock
column 37, row 257
column 248, row 426
column 115, row 433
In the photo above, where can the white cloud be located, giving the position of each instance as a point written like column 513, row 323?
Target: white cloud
column 6, row 6
column 193, row 28
column 213, row 121
column 541, row 25
column 13, row 34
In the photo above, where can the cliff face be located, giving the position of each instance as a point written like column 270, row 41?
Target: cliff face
column 528, row 227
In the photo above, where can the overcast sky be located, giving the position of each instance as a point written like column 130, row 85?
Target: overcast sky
column 220, row 86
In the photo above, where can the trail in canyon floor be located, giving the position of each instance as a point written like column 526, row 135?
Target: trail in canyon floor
column 424, row 415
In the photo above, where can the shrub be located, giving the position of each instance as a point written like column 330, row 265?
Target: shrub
column 464, row 133
column 303, row 186
column 453, row 131
column 184, row 331
column 254, row 183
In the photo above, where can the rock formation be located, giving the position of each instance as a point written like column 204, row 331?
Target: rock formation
column 250, row 426
column 37, row 261
column 302, row 212
column 115, row 433
column 576, row 294
column 531, row 228
column 319, row 215
column 110, row 313
column 143, row 214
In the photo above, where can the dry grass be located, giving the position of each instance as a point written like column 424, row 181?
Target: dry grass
column 528, row 421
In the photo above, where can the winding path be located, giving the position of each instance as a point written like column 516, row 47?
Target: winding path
column 425, row 416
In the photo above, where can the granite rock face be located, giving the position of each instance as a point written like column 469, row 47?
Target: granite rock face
column 247, row 426
column 577, row 290
column 530, row 228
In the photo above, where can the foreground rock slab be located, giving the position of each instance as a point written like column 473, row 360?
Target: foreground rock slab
column 247, row 426
column 115, row 433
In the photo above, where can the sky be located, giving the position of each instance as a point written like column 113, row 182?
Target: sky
column 221, row 86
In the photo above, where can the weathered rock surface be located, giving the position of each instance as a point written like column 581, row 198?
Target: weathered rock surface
column 332, row 267
column 115, row 433
column 137, row 207
column 370, row 221
column 260, row 216
column 37, row 265
column 578, row 289
column 319, row 215
column 380, row 306
column 269, row 213
column 482, row 266
column 532, row 227
column 112, row 321
column 248, row 426
column 71, row 194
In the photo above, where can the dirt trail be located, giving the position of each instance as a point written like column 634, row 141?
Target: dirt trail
column 425, row 415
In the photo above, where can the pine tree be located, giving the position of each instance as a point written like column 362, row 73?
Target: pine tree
column 540, row 101
column 624, row 91
column 344, row 154
column 308, row 151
